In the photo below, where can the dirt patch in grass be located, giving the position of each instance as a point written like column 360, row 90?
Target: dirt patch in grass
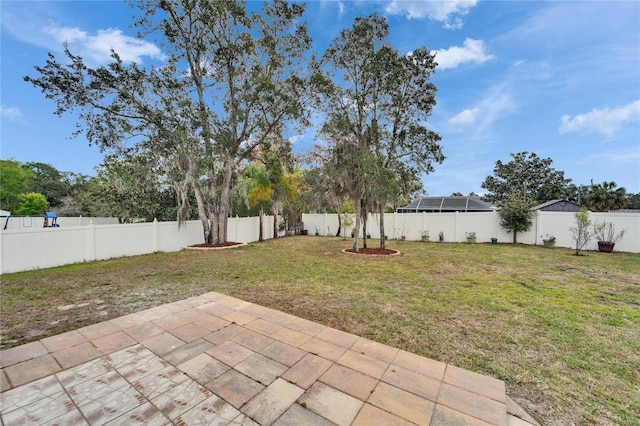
column 228, row 244
column 562, row 331
column 373, row 251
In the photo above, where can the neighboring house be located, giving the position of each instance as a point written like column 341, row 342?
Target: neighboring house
column 558, row 206
column 447, row 205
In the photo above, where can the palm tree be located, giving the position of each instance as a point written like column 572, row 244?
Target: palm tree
column 605, row 196
column 260, row 189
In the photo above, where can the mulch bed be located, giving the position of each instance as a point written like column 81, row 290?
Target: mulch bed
column 373, row 251
column 215, row 246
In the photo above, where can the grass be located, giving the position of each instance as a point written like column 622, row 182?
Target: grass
column 562, row 331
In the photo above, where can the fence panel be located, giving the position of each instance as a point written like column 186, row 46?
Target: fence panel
column 27, row 249
column 172, row 237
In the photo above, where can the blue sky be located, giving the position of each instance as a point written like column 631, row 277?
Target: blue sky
column 561, row 79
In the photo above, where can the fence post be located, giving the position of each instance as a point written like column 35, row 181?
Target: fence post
column 494, row 224
column 91, row 242
column 395, row 225
column 322, row 231
column 1, row 261
column 156, row 242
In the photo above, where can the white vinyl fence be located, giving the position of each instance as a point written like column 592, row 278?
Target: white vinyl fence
column 34, row 222
column 486, row 225
column 31, row 248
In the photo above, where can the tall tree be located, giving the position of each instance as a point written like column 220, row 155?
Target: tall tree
column 377, row 101
column 529, row 176
column 14, row 180
column 129, row 188
column 230, row 79
column 47, row 180
column 606, row 196
column 633, row 201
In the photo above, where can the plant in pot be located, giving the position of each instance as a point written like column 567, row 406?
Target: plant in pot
column 607, row 237
column 441, row 237
column 549, row 240
column 471, row 237
column 425, row 237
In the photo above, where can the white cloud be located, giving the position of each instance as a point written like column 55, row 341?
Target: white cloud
column 40, row 26
column 472, row 51
column 340, row 10
column 467, row 116
column 450, row 13
column 10, row 112
column 495, row 105
column 98, row 46
column 603, row 121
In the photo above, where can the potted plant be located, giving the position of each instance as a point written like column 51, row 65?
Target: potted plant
column 425, row 237
column 317, row 231
column 471, row 237
column 494, row 241
column 441, row 237
column 549, row 240
column 607, row 236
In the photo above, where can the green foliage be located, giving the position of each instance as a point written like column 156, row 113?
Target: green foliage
column 633, row 201
column 516, row 216
column 606, row 196
column 230, row 79
column 129, row 189
column 528, row 175
column 14, row 180
column 32, row 204
column 377, row 102
column 581, row 233
column 47, row 180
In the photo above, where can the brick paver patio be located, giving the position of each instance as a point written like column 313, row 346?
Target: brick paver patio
column 215, row 359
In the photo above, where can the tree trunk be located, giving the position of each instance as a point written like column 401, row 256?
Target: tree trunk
column 225, row 202
column 202, row 214
column 275, row 219
column 364, row 233
column 261, row 213
column 356, row 230
column 382, row 239
column 515, row 237
column 365, row 214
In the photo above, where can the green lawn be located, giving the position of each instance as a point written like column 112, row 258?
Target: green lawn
column 562, row 331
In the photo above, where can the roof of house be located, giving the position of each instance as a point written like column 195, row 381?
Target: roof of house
column 559, row 205
column 447, row 204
